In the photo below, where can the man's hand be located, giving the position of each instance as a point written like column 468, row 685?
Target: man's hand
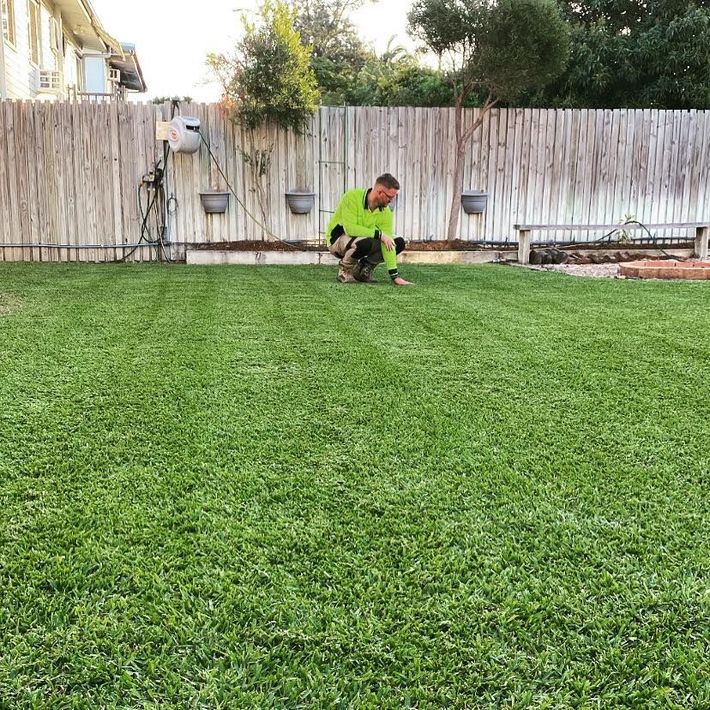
column 389, row 244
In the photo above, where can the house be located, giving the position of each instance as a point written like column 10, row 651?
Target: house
column 57, row 49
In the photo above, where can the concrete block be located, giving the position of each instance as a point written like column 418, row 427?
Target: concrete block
column 271, row 258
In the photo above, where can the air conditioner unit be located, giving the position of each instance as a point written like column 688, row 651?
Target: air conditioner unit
column 50, row 81
column 114, row 75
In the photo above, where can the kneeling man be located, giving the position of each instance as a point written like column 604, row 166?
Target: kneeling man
column 360, row 232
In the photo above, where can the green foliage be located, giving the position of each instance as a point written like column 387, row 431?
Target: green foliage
column 503, row 49
column 448, row 26
column 270, row 77
column 631, row 54
column 338, row 53
column 397, row 79
column 524, row 44
column 499, row 50
column 219, row 489
column 380, row 85
column 350, row 73
column 335, row 79
column 324, row 25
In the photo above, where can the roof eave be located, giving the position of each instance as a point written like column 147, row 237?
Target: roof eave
column 130, row 68
column 80, row 19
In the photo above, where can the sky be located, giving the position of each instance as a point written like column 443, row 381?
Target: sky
column 172, row 42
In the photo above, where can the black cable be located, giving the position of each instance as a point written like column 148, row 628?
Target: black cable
column 652, row 237
column 156, row 204
column 144, row 221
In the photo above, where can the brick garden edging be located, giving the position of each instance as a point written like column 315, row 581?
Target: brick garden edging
column 695, row 270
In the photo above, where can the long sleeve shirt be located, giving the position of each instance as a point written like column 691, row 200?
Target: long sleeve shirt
column 353, row 215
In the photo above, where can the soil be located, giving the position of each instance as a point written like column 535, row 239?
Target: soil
column 433, row 245
column 256, row 246
column 457, row 245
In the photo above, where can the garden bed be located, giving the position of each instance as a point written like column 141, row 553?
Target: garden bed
column 273, row 245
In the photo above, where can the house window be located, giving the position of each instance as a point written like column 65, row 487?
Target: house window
column 8, row 20
column 54, row 36
column 34, row 35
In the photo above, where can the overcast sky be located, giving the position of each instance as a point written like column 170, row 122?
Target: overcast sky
column 173, row 41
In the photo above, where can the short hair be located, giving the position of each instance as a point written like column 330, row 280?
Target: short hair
column 389, row 181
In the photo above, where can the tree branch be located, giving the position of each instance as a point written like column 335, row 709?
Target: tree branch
column 490, row 103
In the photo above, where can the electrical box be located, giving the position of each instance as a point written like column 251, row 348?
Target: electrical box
column 184, row 134
column 162, row 128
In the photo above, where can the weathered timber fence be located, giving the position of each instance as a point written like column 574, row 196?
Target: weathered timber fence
column 69, row 173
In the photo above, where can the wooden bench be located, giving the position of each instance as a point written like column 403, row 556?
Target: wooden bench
column 702, row 232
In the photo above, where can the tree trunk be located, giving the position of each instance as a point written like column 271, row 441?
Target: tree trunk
column 455, row 208
column 463, row 140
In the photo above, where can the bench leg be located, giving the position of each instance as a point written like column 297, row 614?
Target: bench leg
column 523, row 246
column 701, row 242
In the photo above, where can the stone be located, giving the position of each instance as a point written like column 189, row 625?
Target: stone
column 535, row 257
column 557, row 256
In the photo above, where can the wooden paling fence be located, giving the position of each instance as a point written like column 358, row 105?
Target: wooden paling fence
column 70, row 173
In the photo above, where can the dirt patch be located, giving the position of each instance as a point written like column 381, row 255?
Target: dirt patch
column 9, row 304
column 456, row 245
column 600, row 271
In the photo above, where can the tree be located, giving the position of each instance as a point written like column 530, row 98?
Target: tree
column 634, row 54
column 350, row 73
column 337, row 52
column 498, row 49
column 269, row 77
column 396, row 78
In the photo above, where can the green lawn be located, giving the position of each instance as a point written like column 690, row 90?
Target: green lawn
column 254, row 487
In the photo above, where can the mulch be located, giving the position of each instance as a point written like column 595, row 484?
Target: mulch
column 457, row 245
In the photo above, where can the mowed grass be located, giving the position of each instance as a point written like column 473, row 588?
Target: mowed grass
column 254, row 487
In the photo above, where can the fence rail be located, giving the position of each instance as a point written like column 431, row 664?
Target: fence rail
column 70, row 173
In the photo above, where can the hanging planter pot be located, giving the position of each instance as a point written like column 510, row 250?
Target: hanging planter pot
column 300, row 201
column 214, row 202
column 474, row 201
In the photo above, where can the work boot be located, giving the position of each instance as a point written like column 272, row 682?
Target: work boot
column 345, row 275
column 363, row 271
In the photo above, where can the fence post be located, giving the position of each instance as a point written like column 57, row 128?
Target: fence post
column 523, row 246
column 701, row 242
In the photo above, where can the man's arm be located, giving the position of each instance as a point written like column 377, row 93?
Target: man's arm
column 386, row 229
